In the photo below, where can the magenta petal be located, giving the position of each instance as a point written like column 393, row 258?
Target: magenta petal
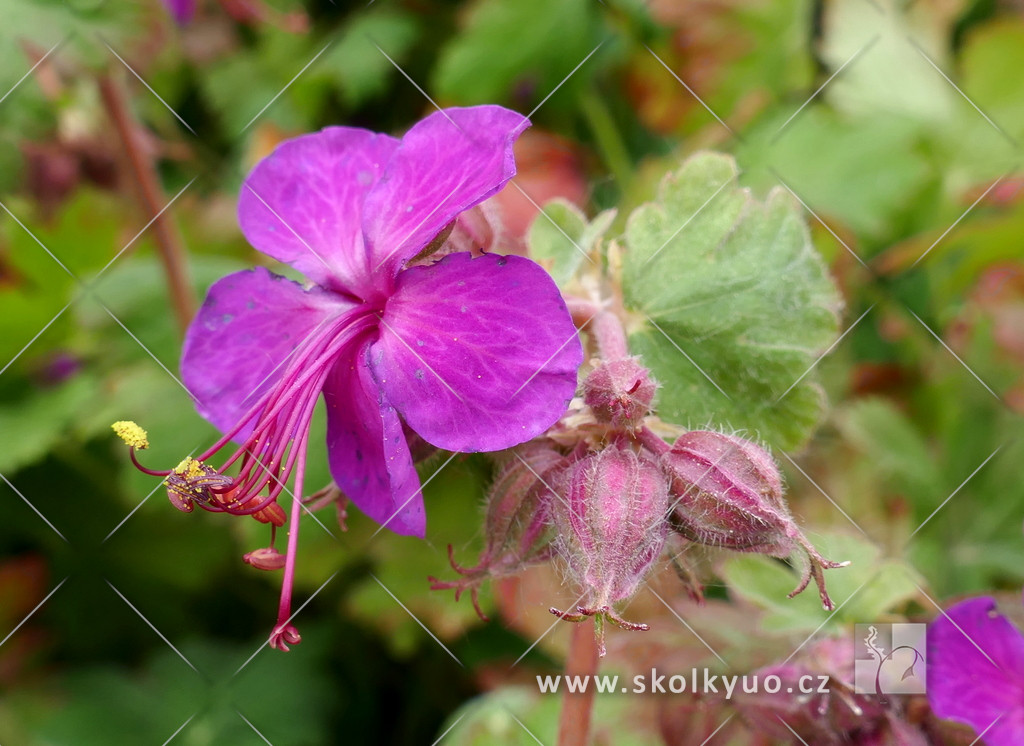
column 368, row 453
column 477, row 354
column 975, row 687
column 248, row 325
column 302, row 204
column 448, row 162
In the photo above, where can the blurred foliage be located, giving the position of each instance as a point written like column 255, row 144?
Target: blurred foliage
column 910, row 188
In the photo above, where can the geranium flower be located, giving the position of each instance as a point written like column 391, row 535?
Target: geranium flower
column 976, row 671
column 473, row 354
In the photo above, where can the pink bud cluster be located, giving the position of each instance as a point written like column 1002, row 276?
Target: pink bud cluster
column 602, row 493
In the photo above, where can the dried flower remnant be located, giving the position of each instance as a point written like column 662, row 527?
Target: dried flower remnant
column 728, row 493
column 975, row 665
column 472, row 354
column 611, row 528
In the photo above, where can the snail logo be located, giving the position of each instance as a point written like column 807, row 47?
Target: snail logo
column 889, row 659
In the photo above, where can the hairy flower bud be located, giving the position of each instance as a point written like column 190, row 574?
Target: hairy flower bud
column 611, row 527
column 517, row 525
column 620, row 392
column 728, row 493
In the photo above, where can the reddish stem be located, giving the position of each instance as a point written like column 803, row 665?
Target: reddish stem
column 603, row 326
column 577, row 707
column 151, row 196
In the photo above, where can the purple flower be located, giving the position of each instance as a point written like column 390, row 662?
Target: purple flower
column 976, row 671
column 473, row 354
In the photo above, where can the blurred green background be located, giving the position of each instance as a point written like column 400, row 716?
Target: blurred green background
column 896, row 125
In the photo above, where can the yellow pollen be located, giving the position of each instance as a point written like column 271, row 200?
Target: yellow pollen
column 189, row 468
column 131, row 434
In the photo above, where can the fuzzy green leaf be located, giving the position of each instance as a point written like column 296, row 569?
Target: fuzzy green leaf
column 733, row 304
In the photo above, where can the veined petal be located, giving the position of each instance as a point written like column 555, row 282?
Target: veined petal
column 448, row 162
column 477, row 354
column 367, row 450
column 249, row 324
column 303, row 203
column 972, row 686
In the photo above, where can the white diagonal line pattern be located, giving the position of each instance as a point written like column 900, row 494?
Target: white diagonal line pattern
column 449, row 729
column 286, row 86
column 687, row 625
column 409, row 499
column 715, row 731
column 824, row 622
column 795, row 734
column 566, row 78
column 254, row 728
column 966, row 98
column 958, row 359
column 831, row 77
column 150, row 89
column 287, row 225
column 41, row 244
column 689, row 220
column 575, row 335
column 34, row 610
column 152, row 627
column 959, row 629
column 426, row 365
column 295, row 613
column 135, row 509
column 826, row 352
column 37, row 336
column 690, row 359
column 149, row 352
column 417, row 620
column 963, row 215
column 551, row 220
column 180, row 729
column 523, row 726
column 825, row 494
column 691, row 92
column 32, row 69
column 821, row 222
column 33, row 507
column 416, row 85
column 545, row 633
column 144, row 228
column 955, row 492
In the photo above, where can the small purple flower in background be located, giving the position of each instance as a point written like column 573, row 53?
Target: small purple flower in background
column 473, row 354
column 976, row 671
column 181, row 10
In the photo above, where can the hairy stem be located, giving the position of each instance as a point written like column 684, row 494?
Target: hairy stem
column 577, row 707
column 603, row 326
column 152, row 199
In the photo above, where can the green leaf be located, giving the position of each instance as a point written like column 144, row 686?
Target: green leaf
column 870, row 587
column 355, row 60
column 33, row 426
column 561, row 239
column 734, row 305
column 894, row 447
column 506, row 46
column 491, row 718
